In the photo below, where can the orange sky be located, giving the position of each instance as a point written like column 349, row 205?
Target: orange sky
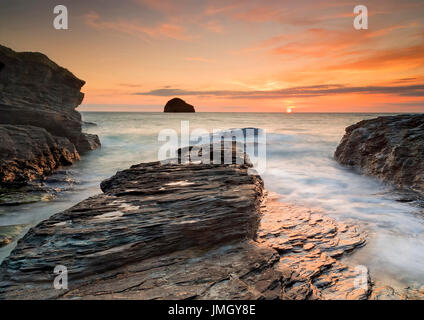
column 233, row 55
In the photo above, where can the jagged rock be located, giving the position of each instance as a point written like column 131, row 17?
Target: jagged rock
column 88, row 142
column 36, row 92
column 28, row 153
column 150, row 210
column 178, row 105
column 390, row 148
column 183, row 231
column 385, row 292
column 309, row 245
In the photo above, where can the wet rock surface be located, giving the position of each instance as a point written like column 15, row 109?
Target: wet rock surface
column 160, row 209
column 28, row 153
column 184, row 231
column 309, row 245
column 35, row 94
column 385, row 292
column 390, row 148
column 9, row 233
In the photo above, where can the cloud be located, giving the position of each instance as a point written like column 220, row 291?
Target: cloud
column 402, row 57
column 129, row 85
column 294, row 92
column 213, row 26
column 199, row 59
column 167, row 30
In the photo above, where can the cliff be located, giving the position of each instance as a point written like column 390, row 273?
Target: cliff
column 40, row 129
column 390, row 148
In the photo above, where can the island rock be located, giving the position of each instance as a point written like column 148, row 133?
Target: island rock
column 178, row 105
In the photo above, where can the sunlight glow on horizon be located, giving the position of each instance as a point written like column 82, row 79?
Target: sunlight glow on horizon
column 231, row 55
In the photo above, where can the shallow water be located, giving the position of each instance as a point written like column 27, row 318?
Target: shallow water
column 300, row 167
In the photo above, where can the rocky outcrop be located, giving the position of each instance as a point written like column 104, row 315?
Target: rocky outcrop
column 150, row 210
column 28, row 153
column 178, row 105
column 390, row 148
column 184, row 231
column 310, row 245
column 37, row 93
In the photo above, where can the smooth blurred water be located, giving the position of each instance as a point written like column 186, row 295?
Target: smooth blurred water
column 300, row 167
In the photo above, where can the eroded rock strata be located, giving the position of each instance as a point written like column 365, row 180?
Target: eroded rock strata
column 40, row 130
column 184, row 231
column 390, row 148
column 27, row 153
column 309, row 244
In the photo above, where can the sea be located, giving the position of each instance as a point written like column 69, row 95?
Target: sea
column 300, row 166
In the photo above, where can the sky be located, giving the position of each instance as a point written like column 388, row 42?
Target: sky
column 233, row 55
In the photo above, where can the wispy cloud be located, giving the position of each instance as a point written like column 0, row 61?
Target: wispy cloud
column 167, row 30
column 129, row 85
column 294, row 92
column 199, row 59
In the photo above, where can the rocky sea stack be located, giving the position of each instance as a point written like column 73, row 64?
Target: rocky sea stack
column 40, row 130
column 390, row 148
column 178, row 105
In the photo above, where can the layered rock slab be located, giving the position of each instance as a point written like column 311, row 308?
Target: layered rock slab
column 148, row 211
column 184, row 231
column 390, row 148
column 310, row 246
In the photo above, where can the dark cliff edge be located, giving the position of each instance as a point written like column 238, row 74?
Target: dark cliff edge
column 178, row 105
column 184, row 231
column 40, row 130
column 390, row 148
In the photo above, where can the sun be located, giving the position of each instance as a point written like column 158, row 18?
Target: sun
column 289, row 110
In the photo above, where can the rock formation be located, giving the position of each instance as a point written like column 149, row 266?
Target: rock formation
column 390, row 148
column 184, row 231
column 28, row 153
column 40, row 129
column 178, row 105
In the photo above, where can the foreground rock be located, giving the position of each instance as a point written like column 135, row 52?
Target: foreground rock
column 148, row 211
column 40, row 129
column 184, row 231
column 178, row 105
column 390, row 148
column 310, row 244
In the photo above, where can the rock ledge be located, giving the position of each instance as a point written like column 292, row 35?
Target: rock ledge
column 390, row 148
